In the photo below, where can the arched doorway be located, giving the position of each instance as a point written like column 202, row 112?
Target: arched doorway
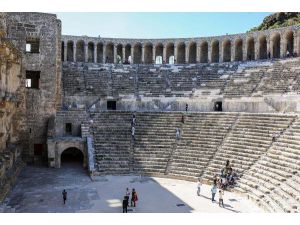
column 72, row 156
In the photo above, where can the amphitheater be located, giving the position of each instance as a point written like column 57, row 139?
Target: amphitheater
column 72, row 98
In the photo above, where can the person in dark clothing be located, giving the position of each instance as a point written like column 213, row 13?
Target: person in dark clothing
column 125, row 204
column 269, row 55
column 64, row 194
column 182, row 119
column 186, row 107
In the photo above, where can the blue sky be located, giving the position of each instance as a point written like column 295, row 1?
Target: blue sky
column 158, row 25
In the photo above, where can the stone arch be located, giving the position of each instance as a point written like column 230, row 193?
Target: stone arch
column 262, row 49
column 109, row 50
column 137, row 53
column 169, row 51
column 181, row 53
column 250, row 49
column 215, row 51
column 80, row 51
column 127, row 53
column 70, row 51
column 204, row 52
column 71, row 155
column 100, row 52
column 148, row 55
column 62, row 51
column 91, row 49
column 275, row 45
column 159, row 49
column 238, row 54
column 289, row 42
column 226, row 50
column 120, row 53
column 193, row 52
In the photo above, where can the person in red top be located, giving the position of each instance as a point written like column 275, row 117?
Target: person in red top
column 134, row 198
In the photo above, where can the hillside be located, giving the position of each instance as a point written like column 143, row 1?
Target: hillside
column 277, row 20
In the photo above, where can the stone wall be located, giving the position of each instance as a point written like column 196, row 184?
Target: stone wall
column 11, row 102
column 41, row 102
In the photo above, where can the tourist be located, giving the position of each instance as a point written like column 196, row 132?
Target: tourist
column 213, row 192
column 133, row 120
column 134, row 198
column 269, row 55
column 125, row 204
column 177, row 133
column 186, row 107
column 221, row 194
column 127, row 194
column 287, row 54
column 199, row 186
column 133, row 132
column 64, row 194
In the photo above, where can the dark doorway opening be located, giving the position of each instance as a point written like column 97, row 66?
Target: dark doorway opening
column 218, row 107
column 71, row 155
column 111, row 105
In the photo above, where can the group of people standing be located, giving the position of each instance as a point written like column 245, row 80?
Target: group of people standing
column 133, row 201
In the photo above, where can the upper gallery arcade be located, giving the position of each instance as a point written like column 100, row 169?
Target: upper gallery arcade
column 273, row 43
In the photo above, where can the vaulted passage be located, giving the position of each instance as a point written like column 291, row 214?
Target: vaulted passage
column 80, row 51
column 250, row 49
column 262, row 49
column 148, row 53
column 204, row 52
column 170, row 52
column 119, row 53
column 193, row 53
column 109, row 53
column 275, row 41
column 99, row 53
column 127, row 54
column 71, row 156
column 137, row 54
column 238, row 50
column 289, row 42
column 70, row 51
column 159, row 51
column 215, row 51
column 181, row 53
column 226, row 51
column 91, row 49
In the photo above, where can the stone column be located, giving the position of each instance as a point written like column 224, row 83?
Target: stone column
column 221, row 55
column 115, row 54
column 269, row 44
column 232, row 52
column 74, row 52
column 187, row 53
column 143, row 54
column 197, row 53
column 65, row 51
column 244, row 49
column 153, row 54
column 104, row 53
column 175, row 53
column 123, row 54
column 86, row 54
column 256, row 48
column 165, row 54
column 132, row 54
column 282, row 47
column 209, row 49
column 296, row 43
column 95, row 53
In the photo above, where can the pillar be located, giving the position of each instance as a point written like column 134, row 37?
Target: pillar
column 244, row 49
column 232, row 51
column 86, row 55
column 282, row 48
column 115, row 54
column 123, row 54
column 95, row 53
column 165, row 54
column 197, row 53
column 143, row 54
column 175, row 53
column 104, row 53
column 132, row 53
column 209, row 49
column 269, row 49
column 187, row 51
column 74, row 51
column 153, row 54
column 256, row 48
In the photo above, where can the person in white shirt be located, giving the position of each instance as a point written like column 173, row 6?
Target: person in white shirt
column 221, row 195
